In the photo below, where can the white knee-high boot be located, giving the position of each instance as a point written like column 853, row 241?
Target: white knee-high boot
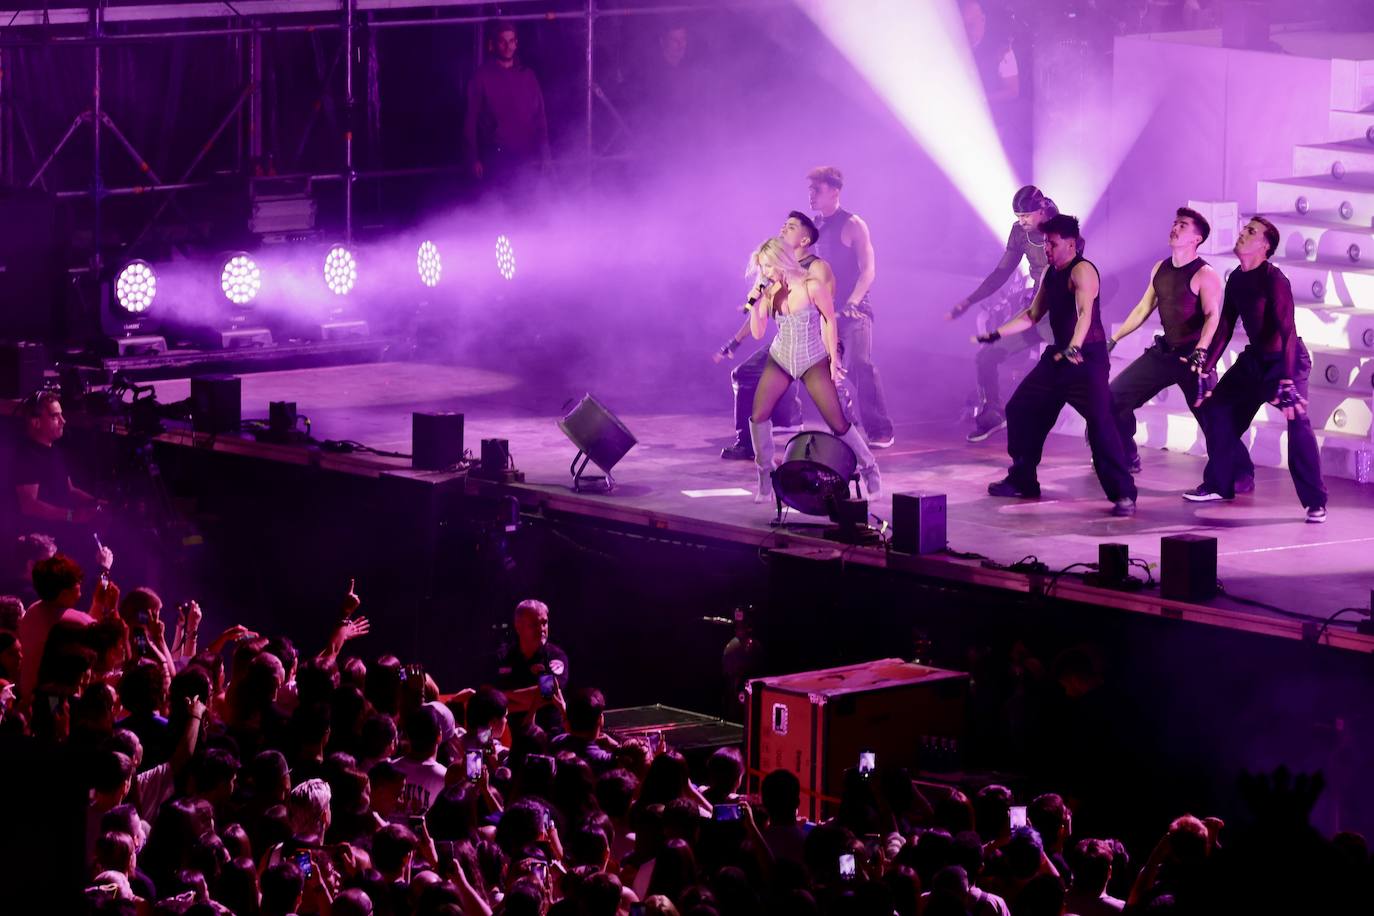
column 761, row 434
column 868, row 465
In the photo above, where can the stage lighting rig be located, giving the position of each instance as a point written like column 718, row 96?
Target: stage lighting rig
column 340, row 270
column 129, row 318
column 505, row 257
column 340, row 276
column 814, row 478
column 601, row 439
column 240, row 279
column 429, row 264
column 136, row 287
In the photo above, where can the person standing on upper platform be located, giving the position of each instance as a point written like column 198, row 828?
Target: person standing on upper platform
column 505, row 127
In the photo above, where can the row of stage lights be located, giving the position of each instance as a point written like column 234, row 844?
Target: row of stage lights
column 241, row 277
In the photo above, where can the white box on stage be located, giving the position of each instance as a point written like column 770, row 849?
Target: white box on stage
column 1224, row 218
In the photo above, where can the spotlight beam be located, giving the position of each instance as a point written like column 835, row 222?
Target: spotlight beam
column 915, row 55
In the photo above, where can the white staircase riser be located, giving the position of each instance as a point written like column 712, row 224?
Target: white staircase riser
column 1352, row 84
column 1336, row 370
column 1343, row 370
column 1337, row 328
column 1328, row 281
column 1331, row 245
column 1268, row 442
column 1355, row 164
column 1323, row 202
column 1350, row 125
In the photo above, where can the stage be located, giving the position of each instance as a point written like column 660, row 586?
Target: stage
column 674, row 481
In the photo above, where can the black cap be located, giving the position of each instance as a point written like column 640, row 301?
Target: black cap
column 1027, row 200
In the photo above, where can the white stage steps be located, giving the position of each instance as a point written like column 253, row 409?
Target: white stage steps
column 1326, row 217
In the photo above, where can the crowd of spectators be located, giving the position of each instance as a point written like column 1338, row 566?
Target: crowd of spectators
column 246, row 776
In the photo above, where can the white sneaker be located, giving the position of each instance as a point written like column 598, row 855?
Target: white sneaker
column 1200, row 494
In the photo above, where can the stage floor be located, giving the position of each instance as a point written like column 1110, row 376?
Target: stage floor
column 1266, row 550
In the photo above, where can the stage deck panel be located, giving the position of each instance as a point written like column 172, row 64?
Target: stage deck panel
column 1266, row 550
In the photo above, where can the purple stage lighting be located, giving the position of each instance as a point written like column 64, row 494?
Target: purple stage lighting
column 240, row 279
column 505, row 257
column 136, row 287
column 916, row 57
column 340, row 270
column 429, row 264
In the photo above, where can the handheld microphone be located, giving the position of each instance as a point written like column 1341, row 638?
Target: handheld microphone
column 752, row 300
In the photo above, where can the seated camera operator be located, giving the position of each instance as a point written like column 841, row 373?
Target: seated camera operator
column 43, row 488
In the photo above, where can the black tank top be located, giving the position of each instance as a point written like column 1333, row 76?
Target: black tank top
column 1180, row 310
column 843, row 261
column 1063, row 310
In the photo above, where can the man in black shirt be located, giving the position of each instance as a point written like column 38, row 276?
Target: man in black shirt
column 1072, row 371
column 1186, row 291
column 847, row 247
column 1274, row 368
column 43, row 489
column 527, row 661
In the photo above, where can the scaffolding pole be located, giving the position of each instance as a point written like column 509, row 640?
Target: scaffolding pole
column 87, row 25
column 350, row 117
column 97, row 181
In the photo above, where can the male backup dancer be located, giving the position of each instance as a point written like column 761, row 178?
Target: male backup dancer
column 1187, row 292
column 847, row 247
column 1273, row 367
column 1072, row 371
column 800, row 233
column 1026, row 240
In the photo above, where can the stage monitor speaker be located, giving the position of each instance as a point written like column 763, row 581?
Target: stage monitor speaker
column 436, row 440
column 22, row 364
column 850, row 511
column 495, row 457
column 1188, row 567
column 919, row 522
column 281, row 418
column 1113, row 562
column 216, row 403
